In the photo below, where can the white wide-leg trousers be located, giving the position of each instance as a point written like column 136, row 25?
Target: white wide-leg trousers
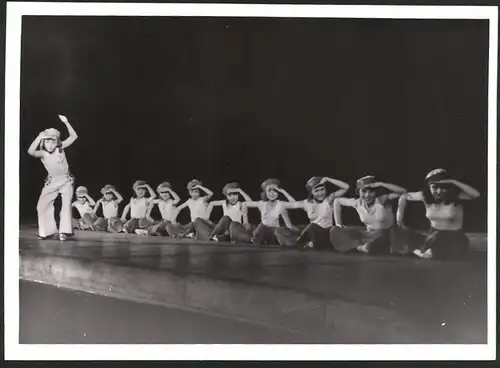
column 45, row 207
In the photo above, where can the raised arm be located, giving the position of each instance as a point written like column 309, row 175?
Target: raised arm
column 72, row 134
column 392, row 187
column 337, row 209
column 175, row 197
column 32, row 150
column 287, row 195
column 344, row 187
column 118, row 196
column 403, row 199
column 206, row 190
column 90, row 199
column 395, row 189
column 152, row 194
column 468, row 192
column 245, row 196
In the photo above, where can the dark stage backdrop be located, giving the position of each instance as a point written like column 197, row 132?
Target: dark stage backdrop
column 224, row 99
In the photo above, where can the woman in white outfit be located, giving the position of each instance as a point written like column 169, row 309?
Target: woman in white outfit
column 443, row 198
column 50, row 149
column 374, row 209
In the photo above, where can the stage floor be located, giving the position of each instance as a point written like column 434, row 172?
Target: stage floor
column 445, row 301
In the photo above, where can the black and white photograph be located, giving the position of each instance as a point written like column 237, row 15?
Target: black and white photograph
column 230, row 181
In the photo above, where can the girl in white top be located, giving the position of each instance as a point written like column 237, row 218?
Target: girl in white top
column 110, row 204
column 442, row 197
column 375, row 212
column 271, row 210
column 319, row 209
column 138, row 207
column 85, row 206
column 50, row 149
column 234, row 222
column 167, row 206
column 198, row 208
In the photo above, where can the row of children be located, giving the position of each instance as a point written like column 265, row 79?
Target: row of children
column 383, row 233
column 373, row 207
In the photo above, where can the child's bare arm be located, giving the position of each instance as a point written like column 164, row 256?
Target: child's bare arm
column 72, row 134
column 33, row 151
column 125, row 212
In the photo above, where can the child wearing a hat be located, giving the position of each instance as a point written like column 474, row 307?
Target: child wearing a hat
column 138, row 207
column 234, row 222
column 85, row 206
column 319, row 209
column 109, row 202
column 375, row 212
column 443, row 199
column 167, row 202
column 49, row 148
column 200, row 225
column 271, row 210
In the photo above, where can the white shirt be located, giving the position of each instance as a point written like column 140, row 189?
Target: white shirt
column 198, row 208
column 233, row 211
column 377, row 216
column 445, row 216
column 319, row 213
column 55, row 163
column 270, row 213
column 109, row 209
column 139, row 207
column 441, row 216
column 83, row 208
column 167, row 209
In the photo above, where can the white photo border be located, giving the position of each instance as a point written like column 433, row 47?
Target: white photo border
column 16, row 351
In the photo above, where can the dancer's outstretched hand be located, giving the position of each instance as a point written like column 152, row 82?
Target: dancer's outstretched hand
column 64, row 119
